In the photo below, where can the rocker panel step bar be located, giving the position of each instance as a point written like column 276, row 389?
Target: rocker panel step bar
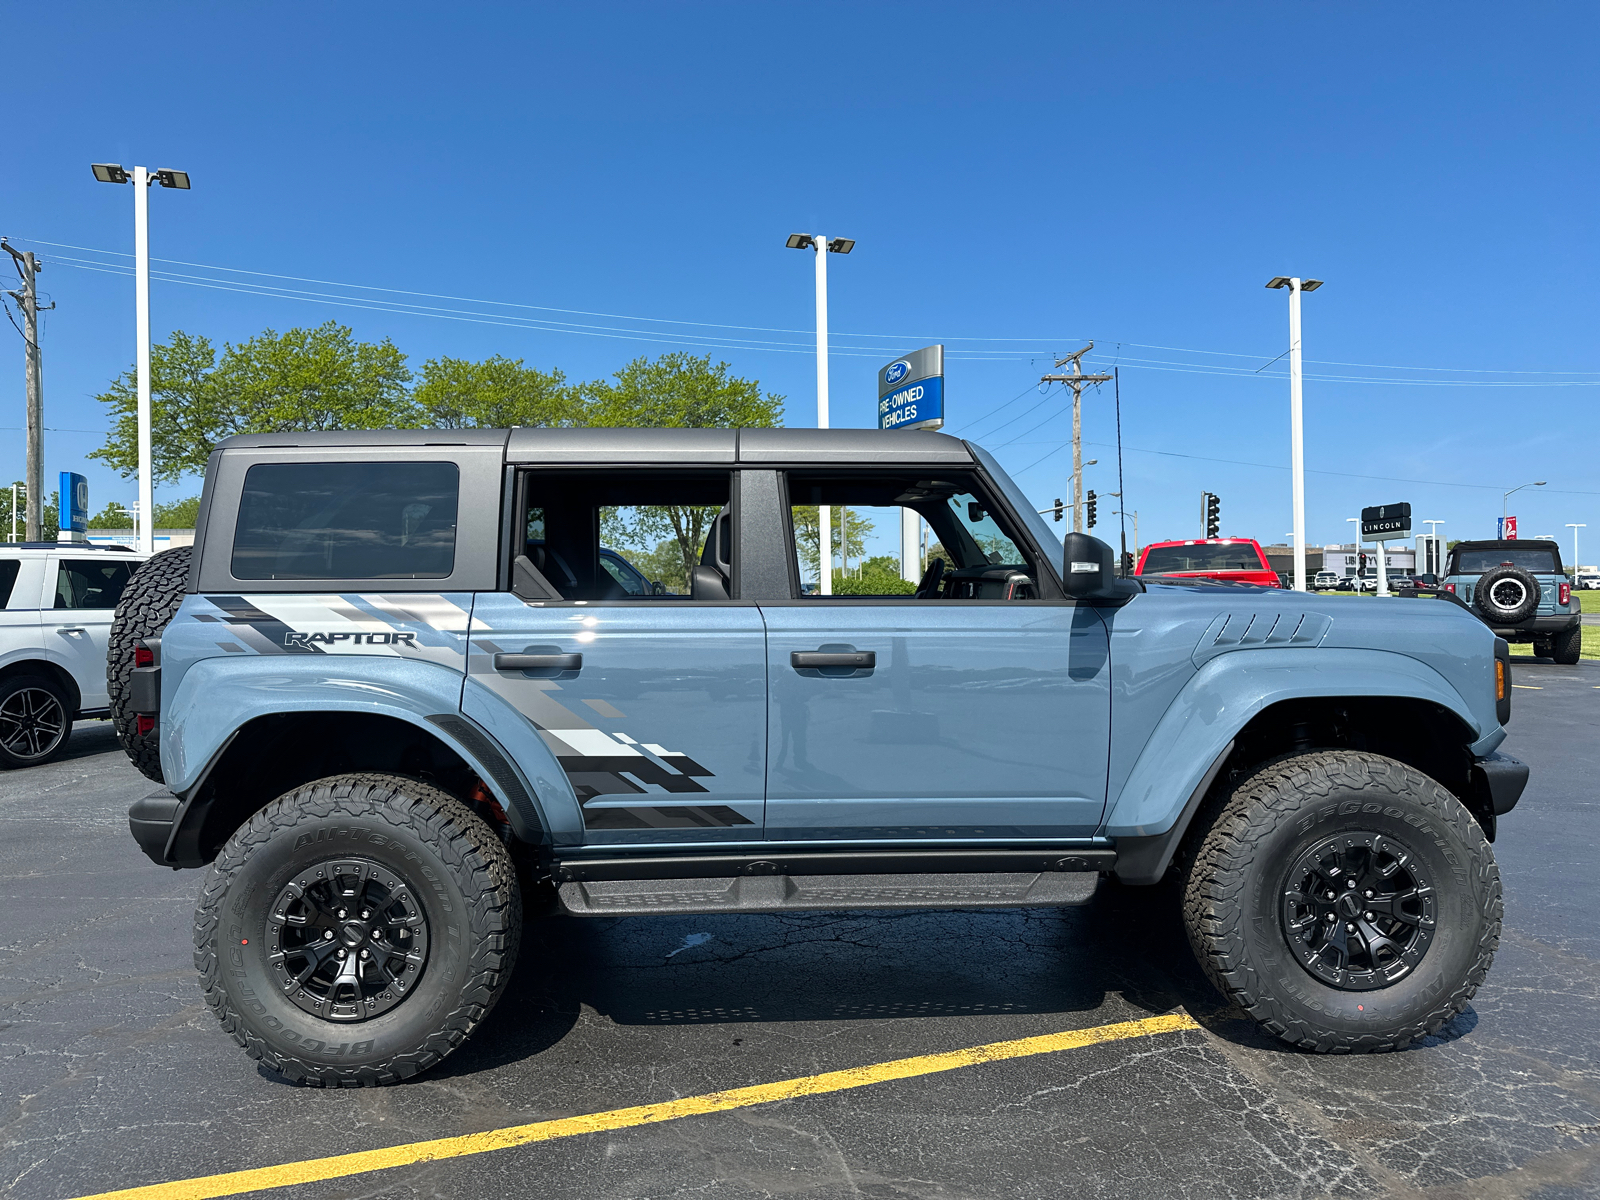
column 827, row 893
column 1034, row 860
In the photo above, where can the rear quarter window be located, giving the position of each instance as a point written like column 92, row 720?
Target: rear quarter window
column 8, row 578
column 1476, row 562
column 347, row 521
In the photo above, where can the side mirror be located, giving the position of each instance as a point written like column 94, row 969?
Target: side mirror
column 1088, row 571
column 658, row 588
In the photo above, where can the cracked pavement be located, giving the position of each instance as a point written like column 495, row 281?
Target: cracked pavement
column 112, row 1072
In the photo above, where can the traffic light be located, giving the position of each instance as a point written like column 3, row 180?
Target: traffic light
column 1090, row 499
column 1127, row 563
column 1058, row 509
column 1213, row 516
column 1363, row 562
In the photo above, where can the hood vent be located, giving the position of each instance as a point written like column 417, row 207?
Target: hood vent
column 1243, row 631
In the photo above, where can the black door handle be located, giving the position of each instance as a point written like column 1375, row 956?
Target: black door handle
column 859, row 659
column 538, row 662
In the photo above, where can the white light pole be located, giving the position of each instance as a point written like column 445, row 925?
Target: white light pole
column 141, row 180
column 823, row 247
column 1357, row 521
column 1438, row 546
column 1575, row 526
column 1297, row 461
column 1507, row 496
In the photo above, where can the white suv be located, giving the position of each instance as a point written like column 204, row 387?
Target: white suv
column 56, row 605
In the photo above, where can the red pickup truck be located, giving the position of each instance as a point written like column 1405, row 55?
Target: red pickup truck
column 1238, row 560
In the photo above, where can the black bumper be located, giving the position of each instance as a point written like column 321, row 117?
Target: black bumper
column 150, row 821
column 1503, row 777
column 1559, row 623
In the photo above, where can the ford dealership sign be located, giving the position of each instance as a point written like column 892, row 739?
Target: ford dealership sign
column 911, row 391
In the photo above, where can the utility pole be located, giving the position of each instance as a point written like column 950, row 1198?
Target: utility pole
column 1077, row 381
column 29, row 267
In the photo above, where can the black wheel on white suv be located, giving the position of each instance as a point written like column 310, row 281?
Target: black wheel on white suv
column 356, row 930
column 35, row 720
column 1345, row 901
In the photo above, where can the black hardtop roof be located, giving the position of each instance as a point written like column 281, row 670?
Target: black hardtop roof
column 1509, row 544
column 628, row 445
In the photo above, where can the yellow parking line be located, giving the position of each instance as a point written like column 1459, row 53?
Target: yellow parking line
column 340, row 1165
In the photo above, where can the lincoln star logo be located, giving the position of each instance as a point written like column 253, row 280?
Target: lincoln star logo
column 354, row 639
column 896, row 372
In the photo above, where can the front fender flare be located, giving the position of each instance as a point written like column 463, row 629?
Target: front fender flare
column 1225, row 694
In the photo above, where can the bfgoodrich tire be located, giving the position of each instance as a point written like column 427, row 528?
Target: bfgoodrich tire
column 148, row 603
column 1345, row 901
column 356, row 930
column 1566, row 647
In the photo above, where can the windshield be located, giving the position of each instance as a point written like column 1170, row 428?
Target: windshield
column 1206, row 556
column 1476, row 562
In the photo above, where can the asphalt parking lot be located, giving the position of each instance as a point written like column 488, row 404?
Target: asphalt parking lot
column 114, row 1075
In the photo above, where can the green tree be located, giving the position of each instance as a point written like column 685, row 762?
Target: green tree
column 112, row 516
column 177, row 514
column 849, row 531
column 320, row 378
column 679, row 391
column 48, row 520
column 497, row 393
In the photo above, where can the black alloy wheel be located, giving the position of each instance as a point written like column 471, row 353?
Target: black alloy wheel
column 357, row 929
column 34, row 721
column 1357, row 911
column 348, row 939
column 1346, row 901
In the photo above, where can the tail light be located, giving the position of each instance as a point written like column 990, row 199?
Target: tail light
column 1449, row 587
column 144, row 723
column 143, row 656
column 1563, row 594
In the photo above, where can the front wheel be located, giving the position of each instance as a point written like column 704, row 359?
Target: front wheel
column 1346, row 901
column 356, row 930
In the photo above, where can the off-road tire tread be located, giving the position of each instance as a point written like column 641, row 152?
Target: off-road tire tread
column 1566, row 647
column 1215, row 883
column 464, row 842
column 148, row 603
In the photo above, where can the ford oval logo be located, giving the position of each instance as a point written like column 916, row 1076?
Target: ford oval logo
column 897, row 372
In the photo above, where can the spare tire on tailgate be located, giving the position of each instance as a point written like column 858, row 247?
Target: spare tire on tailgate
column 150, row 600
column 1506, row 595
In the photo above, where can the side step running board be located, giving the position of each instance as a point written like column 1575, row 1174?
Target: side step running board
column 814, row 893
column 724, row 865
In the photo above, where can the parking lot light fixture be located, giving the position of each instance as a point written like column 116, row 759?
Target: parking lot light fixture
column 1575, row 526
column 1508, row 495
column 1297, row 461
column 141, row 179
column 823, row 247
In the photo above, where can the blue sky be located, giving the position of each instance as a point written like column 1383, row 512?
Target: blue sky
column 1037, row 175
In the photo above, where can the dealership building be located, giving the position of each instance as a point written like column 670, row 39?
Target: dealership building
column 1345, row 561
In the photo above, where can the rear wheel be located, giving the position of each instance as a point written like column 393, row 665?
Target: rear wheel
column 1567, row 646
column 35, row 720
column 356, row 930
column 148, row 603
column 1345, row 901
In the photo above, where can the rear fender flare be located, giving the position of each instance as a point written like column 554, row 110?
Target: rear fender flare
column 217, row 697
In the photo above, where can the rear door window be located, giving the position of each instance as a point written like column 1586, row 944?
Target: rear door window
column 89, row 583
column 8, row 579
column 347, row 521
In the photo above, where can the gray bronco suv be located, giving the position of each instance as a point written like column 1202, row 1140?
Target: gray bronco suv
column 396, row 696
column 1521, row 592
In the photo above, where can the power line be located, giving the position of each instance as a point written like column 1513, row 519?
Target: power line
column 1006, row 348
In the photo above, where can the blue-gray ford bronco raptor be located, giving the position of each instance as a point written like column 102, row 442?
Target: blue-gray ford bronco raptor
column 394, row 689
